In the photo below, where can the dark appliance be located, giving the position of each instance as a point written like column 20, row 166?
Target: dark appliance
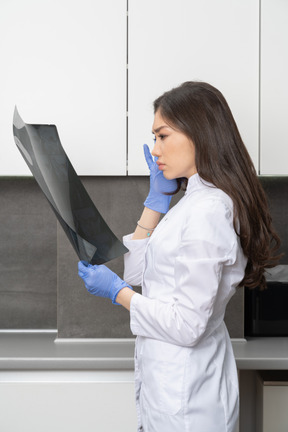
column 266, row 312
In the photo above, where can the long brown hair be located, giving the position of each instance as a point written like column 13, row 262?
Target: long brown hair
column 201, row 112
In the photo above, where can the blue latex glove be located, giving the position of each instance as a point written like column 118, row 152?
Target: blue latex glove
column 101, row 281
column 156, row 199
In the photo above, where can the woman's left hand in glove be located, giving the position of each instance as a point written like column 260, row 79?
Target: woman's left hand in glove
column 101, row 281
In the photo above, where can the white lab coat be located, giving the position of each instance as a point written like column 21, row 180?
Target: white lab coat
column 185, row 372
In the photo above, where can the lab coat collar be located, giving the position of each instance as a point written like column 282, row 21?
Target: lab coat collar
column 195, row 182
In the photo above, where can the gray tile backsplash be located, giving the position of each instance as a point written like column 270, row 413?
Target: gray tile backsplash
column 28, row 252
column 39, row 284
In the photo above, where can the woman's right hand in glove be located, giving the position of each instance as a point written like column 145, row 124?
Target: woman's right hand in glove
column 157, row 199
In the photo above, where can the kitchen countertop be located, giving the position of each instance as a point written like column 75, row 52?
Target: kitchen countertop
column 43, row 351
column 262, row 353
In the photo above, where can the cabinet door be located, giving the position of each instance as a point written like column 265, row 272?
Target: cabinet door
column 175, row 41
column 52, row 401
column 64, row 63
column 274, row 90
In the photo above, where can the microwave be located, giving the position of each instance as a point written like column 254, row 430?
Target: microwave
column 266, row 311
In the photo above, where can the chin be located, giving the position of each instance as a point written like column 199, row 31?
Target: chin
column 167, row 176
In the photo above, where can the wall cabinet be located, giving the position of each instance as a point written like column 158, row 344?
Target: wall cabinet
column 172, row 42
column 274, row 90
column 64, row 62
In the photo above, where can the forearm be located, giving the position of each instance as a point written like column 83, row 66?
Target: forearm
column 149, row 219
column 124, row 297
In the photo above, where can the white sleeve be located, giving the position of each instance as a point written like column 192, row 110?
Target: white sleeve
column 208, row 243
column 134, row 259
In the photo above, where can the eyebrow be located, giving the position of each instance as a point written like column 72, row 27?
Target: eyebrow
column 158, row 129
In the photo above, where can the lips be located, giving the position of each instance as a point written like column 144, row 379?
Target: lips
column 160, row 165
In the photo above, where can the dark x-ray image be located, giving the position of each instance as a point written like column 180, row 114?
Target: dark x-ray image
column 87, row 231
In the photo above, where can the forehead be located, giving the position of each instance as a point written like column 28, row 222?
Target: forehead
column 159, row 122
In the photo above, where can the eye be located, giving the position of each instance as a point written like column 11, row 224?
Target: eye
column 161, row 137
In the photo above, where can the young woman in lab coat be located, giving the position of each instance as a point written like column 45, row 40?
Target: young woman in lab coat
column 216, row 238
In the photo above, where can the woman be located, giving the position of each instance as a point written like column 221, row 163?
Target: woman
column 218, row 237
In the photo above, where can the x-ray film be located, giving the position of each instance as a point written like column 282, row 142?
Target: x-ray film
column 87, row 231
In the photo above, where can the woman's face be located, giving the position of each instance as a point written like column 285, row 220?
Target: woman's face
column 175, row 152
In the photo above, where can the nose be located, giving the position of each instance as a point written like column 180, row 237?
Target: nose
column 156, row 149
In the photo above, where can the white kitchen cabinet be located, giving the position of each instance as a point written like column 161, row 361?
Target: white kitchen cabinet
column 171, row 42
column 33, row 401
column 274, row 90
column 271, row 402
column 64, row 63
